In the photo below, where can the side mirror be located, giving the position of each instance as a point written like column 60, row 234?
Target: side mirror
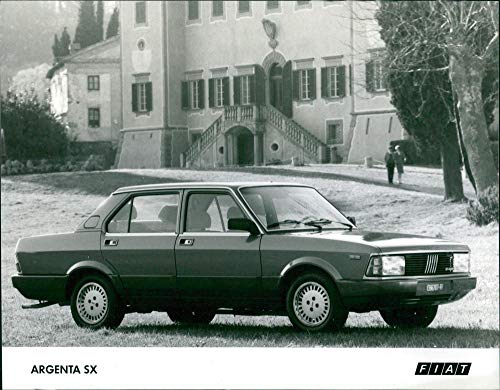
column 243, row 224
column 352, row 220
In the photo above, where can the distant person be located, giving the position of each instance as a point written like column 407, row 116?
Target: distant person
column 400, row 159
column 390, row 162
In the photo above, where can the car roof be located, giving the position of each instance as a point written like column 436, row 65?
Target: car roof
column 202, row 185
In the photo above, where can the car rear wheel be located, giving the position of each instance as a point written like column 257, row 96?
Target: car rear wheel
column 414, row 317
column 313, row 304
column 191, row 316
column 95, row 304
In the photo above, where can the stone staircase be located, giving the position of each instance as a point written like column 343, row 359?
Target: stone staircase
column 313, row 147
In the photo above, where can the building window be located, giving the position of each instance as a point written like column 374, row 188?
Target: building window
column 375, row 78
column 140, row 13
column 217, row 8
column 219, row 93
column 94, row 117
column 334, row 133
column 192, row 94
column 93, row 83
column 303, row 3
column 195, row 94
column 272, row 5
column 195, row 135
column 142, row 97
column 378, row 75
column 305, row 85
column 193, row 10
column 245, row 90
column 243, row 7
column 333, row 81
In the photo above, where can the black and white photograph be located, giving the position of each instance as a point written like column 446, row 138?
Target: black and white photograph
column 250, row 194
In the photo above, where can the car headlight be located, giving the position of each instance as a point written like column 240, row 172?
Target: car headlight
column 461, row 262
column 386, row 266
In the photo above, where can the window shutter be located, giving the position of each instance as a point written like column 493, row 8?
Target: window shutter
column 287, row 89
column 296, row 85
column 201, row 93
column 369, row 76
column 185, row 95
column 134, row 98
column 236, row 90
column 260, row 86
column 225, row 91
column 341, row 80
column 251, row 86
column 324, row 82
column 211, row 92
column 312, row 81
column 149, row 96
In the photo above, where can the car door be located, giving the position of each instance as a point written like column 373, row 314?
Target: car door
column 212, row 262
column 139, row 241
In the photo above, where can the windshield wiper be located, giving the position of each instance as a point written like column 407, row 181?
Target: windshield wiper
column 286, row 221
column 324, row 221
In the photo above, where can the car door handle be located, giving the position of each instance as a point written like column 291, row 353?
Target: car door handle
column 111, row 242
column 186, row 241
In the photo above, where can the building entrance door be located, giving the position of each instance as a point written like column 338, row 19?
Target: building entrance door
column 276, row 86
column 245, row 148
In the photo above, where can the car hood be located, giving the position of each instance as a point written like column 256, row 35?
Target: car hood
column 387, row 242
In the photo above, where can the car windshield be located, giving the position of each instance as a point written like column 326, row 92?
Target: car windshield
column 290, row 207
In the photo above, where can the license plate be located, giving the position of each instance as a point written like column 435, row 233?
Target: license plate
column 434, row 287
column 430, row 288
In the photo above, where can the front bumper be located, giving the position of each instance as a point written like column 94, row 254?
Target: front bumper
column 43, row 288
column 367, row 295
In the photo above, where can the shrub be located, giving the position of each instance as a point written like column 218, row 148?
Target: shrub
column 94, row 163
column 484, row 210
column 31, row 131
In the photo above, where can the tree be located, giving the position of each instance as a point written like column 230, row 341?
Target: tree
column 465, row 34
column 65, row 42
column 31, row 131
column 31, row 81
column 100, row 20
column 86, row 29
column 113, row 24
column 56, row 49
column 472, row 42
column 420, row 87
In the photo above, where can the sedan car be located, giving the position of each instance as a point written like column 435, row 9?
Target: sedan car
column 195, row 250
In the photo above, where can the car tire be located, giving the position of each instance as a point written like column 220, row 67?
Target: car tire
column 414, row 317
column 313, row 304
column 195, row 316
column 95, row 303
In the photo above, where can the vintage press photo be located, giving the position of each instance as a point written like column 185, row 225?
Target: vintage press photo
column 293, row 174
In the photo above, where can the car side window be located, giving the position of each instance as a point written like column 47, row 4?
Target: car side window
column 119, row 223
column 210, row 212
column 148, row 214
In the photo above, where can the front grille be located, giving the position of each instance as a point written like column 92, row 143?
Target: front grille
column 428, row 264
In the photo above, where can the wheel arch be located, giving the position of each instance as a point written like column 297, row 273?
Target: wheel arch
column 91, row 267
column 304, row 264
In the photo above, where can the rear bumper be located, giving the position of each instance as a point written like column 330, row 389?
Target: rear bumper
column 367, row 295
column 43, row 288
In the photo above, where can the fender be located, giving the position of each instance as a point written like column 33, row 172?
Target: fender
column 314, row 261
column 104, row 268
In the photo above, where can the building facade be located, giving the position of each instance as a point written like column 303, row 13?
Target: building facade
column 215, row 83
column 85, row 91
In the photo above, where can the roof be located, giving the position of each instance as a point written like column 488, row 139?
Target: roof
column 100, row 52
column 198, row 185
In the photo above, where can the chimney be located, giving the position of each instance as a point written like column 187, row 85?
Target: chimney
column 75, row 46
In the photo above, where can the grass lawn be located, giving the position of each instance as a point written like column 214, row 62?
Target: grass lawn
column 51, row 203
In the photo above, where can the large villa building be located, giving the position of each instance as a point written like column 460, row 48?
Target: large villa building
column 216, row 83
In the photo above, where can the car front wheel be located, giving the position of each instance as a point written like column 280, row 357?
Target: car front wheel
column 414, row 317
column 313, row 304
column 95, row 304
column 188, row 316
